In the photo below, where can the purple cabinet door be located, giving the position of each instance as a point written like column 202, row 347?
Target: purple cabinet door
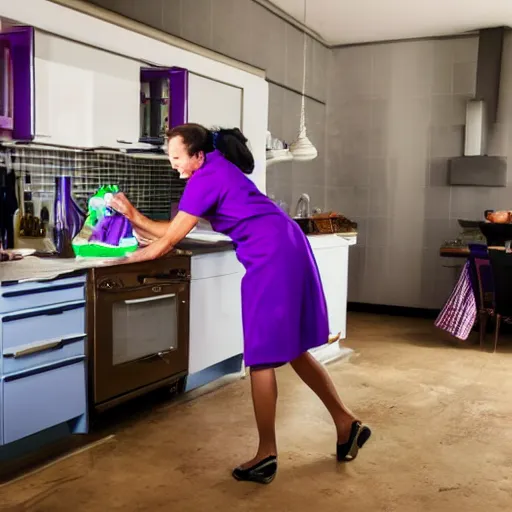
column 20, row 42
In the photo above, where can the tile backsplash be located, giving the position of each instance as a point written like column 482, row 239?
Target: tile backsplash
column 148, row 181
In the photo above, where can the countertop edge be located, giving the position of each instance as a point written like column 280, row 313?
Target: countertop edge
column 25, row 270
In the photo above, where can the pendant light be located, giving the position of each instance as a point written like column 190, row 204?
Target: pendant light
column 302, row 148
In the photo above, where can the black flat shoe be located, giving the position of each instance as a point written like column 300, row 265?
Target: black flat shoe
column 348, row 451
column 262, row 472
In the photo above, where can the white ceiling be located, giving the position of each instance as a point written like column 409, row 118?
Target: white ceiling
column 358, row 21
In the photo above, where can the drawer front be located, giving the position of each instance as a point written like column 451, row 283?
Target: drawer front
column 41, row 353
column 38, row 325
column 42, row 399
column 22, row 296
column 204, row 266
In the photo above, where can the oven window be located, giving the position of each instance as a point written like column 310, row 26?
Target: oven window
column 144, row 327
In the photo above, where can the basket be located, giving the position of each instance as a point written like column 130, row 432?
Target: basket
column 324, row 226
column 337, row 224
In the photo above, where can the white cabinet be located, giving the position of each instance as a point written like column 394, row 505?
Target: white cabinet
column 216, row 332
column 214, row 104
column 60, row 118
column 331, row 254
column 116, row 105
column 333, row 266
column 84, row 96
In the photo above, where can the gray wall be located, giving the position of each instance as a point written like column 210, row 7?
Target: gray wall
column 396, row 113
column 248, row 32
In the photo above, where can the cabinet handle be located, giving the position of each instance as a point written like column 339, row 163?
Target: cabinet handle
column 46, row 345
column 44, row 369
column 41, row 348
column 33, row 291
column 44, row 312
column 68, row 275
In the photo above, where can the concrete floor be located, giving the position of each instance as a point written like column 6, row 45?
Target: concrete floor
column 442, row 440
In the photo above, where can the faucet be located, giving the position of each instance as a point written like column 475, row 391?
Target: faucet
column 303, row 207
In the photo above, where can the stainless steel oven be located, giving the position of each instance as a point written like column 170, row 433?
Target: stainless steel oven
column 138, row 336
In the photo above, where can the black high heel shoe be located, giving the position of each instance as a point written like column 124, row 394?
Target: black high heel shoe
column 348, row 451
column 263, row 472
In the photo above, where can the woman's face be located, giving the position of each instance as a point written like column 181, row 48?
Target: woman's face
column 181, row 161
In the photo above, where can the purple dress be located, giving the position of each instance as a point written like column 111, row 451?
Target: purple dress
column 284, row 311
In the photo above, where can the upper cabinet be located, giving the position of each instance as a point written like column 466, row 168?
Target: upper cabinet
column 163, row 101
column 17, row 82
column 214, row 104
column 87, row 97
column 84, row 96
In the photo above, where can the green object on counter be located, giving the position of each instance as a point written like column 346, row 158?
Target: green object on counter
column 99, row 250
column 98, row 208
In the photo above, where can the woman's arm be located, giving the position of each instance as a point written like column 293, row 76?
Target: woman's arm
column 177, row 229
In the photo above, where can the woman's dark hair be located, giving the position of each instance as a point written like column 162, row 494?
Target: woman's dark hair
column 232, row 143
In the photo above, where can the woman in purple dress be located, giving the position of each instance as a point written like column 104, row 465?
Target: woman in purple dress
column 283, row 305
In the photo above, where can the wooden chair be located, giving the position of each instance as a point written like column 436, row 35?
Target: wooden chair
column 483, row 286
column 501, row 266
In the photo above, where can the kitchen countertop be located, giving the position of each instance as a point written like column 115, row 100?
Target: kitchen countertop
column 34, row 268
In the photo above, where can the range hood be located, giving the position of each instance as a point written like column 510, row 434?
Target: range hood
column 476, row 168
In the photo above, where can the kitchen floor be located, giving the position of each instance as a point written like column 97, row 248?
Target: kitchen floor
column 442, row 439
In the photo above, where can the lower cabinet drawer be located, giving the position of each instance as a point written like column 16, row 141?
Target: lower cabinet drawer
column 41, row 353
column 40, row 324
column 19, row 296
column 42, row 398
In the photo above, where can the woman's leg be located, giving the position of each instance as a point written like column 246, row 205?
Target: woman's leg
column 316, row 377
column 264, row 398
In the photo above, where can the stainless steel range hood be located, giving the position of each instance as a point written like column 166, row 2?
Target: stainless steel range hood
column 476, row 168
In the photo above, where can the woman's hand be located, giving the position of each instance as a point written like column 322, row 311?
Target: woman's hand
column 120, row 203
column 154, row 250
column 177, row 230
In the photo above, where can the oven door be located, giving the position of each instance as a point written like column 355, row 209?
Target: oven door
column 141, row 337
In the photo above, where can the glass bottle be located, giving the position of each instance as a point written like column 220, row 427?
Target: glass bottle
column 67, row 220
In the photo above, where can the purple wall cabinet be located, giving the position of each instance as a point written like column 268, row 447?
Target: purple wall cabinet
column 17, row 82
column 164, row 101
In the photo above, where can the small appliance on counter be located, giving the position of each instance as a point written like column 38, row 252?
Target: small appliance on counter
column 32, row 220
column 104, row 233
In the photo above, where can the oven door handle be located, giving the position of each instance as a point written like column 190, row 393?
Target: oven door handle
column 152, row 357
column 176, row 285
column 150, row 299
column 162, row 282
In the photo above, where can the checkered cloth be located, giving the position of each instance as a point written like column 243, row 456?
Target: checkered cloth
column 459, row 313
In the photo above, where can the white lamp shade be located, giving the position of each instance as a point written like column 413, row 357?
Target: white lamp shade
column 303, row 149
